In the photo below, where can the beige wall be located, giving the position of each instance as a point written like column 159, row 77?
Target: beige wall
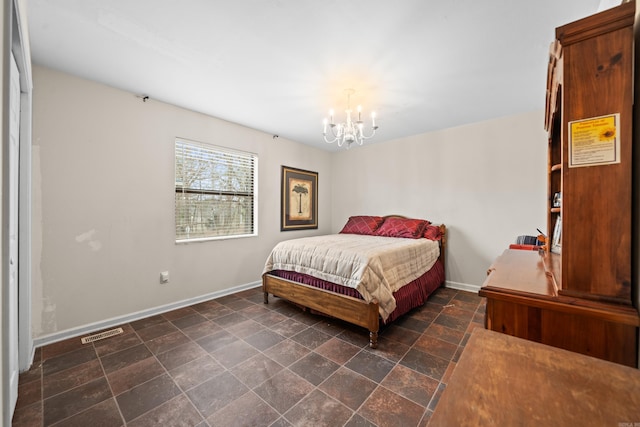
column 485, row 181
column 103, row 198
column 103, row 204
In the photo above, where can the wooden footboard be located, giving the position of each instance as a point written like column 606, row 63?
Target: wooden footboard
column 352, row 310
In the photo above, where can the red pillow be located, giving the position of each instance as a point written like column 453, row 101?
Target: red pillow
column 432, row 232
column 402, row 227
column 362, row 225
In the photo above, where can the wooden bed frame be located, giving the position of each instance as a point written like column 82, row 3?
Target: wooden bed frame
column 349, row 309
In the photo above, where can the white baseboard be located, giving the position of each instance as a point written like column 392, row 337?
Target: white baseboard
column 462, row 286
column 115, row 321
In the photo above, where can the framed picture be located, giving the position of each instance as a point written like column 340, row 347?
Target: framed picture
column 299, row 199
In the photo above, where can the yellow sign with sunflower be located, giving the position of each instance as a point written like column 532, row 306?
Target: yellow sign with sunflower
column 594, row 141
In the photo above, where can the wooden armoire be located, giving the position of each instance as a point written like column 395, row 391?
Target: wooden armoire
column 578, row 292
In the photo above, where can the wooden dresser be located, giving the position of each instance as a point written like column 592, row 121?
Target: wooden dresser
column 578, row 292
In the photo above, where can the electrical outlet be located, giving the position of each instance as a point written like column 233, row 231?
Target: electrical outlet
column 164, row 277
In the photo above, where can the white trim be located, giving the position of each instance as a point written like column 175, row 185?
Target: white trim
column 462, row 286
column 105, row 324
column 25, row 339
column 115, row 321
column 21, row 51
column 109, row 323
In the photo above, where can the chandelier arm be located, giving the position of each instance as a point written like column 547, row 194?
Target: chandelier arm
column 335, row 136
column 343, row 129
column 373, row 132
column 329, row 141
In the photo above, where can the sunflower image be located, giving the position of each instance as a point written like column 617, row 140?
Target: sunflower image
column 607, row 133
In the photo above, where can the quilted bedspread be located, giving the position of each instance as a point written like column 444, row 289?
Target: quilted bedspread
column 374, row 265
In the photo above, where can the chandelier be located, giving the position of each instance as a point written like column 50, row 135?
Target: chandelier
column 350, row 131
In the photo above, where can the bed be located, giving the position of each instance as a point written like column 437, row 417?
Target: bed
column 373, row 271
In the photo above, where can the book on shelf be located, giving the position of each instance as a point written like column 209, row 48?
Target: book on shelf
column 556, row 241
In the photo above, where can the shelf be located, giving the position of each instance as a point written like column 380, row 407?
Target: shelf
column 556, row 210
column 557, row 167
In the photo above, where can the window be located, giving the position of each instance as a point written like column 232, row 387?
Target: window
column 215, row 192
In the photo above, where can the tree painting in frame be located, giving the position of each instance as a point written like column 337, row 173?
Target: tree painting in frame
column 299, row 199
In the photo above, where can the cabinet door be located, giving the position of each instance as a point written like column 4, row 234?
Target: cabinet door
column 513, row 319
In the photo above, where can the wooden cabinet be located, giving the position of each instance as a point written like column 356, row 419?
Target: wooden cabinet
column 523, row 300
column 580, row 290
column 591, row 84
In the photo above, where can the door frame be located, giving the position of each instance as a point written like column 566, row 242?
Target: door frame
column 14, row 39
column 19, row 47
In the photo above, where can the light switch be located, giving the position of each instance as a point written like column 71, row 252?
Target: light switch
column 164, row 277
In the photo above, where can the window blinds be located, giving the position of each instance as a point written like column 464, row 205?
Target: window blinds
column 215, row 191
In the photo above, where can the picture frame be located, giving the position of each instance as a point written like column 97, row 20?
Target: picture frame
column 299, row 199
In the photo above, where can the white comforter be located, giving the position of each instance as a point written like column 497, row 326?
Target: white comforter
column 376, row 266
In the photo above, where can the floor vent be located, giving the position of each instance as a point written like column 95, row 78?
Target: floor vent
column 101, row 335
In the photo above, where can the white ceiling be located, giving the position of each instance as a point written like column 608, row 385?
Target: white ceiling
column 279, row 65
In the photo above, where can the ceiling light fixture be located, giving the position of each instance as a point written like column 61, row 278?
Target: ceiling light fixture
column 350, row 131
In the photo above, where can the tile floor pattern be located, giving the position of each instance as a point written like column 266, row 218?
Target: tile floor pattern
column 235, row 361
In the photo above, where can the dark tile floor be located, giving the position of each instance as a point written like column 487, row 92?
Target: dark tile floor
column 235, row 361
